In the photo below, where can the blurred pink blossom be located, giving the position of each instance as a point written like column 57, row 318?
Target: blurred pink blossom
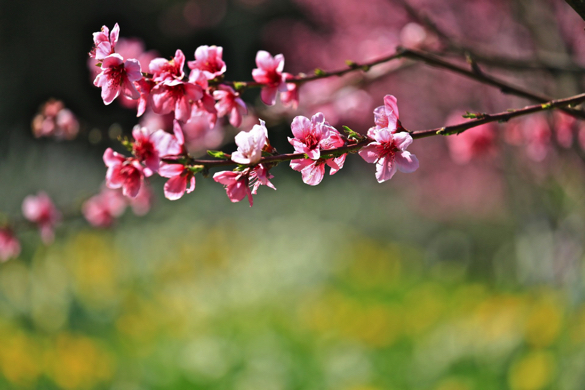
column 472, row 143
column 54, row 120
column 102, row 209
column 9, row 244
column 40, row 210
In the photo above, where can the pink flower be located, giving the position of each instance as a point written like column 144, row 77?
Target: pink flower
column 260, row 176
column 123, row 172
column 149, row 147
column 163, row 69
column 9, row 245
column 229, row 102
column 250, row 145
column 310, row 135
column 181, row 180
column 386, row 116
column 208, row 59
column 143, row 201
column 236, row 185
column 475, row 142
column 104, row 45
column 102, row 209
column 175, row 95
column 290, row 97
column 117, row 76
column 310, row 138
column 41, row 210
column 144, row 87
column 388, row 152
column 269, row 72
column 563, row 125
column 206, row 105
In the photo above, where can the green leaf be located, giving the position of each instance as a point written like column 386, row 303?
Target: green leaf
column 218, row 154
column 352, row 134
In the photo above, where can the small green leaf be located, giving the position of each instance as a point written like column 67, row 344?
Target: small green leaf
column 319, row 72
column 218, row 154
column 240, row 85
column 196, row 168
column 352, row 134
column 126, row 143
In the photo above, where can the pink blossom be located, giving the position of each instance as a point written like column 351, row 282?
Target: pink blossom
column 229, row 102
column 388, row 152
column 563, row 125
column 386, row 116
column 181, row 180
column 144, row 87
column 9, row 245
column 260, row 176
column 102, row 209
column 538, row 135
column 123, row 172
column 290, row 97
column 143, row 201
column 104, row 44
column 269, row 72
column 150, row 147
column 236, row 185
column 206, row 105
column 200, row 136
column 313, row 171
column 41, row 210
column 163, row 69
column 54, row 120
column 175, row 95
column 472, row 143
column 250, row 145
column 208, row 59
column 118, row 76
column 310, row 135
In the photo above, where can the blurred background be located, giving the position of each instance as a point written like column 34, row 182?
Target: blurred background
column 465, row 275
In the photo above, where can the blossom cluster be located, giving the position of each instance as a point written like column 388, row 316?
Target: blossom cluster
column 164, row 87
column 54, row 120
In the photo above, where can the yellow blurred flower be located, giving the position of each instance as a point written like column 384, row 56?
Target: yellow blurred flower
column 532, row 372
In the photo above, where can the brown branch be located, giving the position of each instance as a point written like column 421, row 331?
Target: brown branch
column 447, row 130
column 483, row 78
column 547, row 61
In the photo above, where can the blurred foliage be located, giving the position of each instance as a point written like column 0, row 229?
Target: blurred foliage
column 253, row 300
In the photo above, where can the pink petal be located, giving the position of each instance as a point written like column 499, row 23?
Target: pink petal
column 370, row 153
column 175, row 187
column 313, row 173
column 264, row 60
column 268, row 95
column 406, row 162
column 402, row 140
column 385, row 169
column 170, row 170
